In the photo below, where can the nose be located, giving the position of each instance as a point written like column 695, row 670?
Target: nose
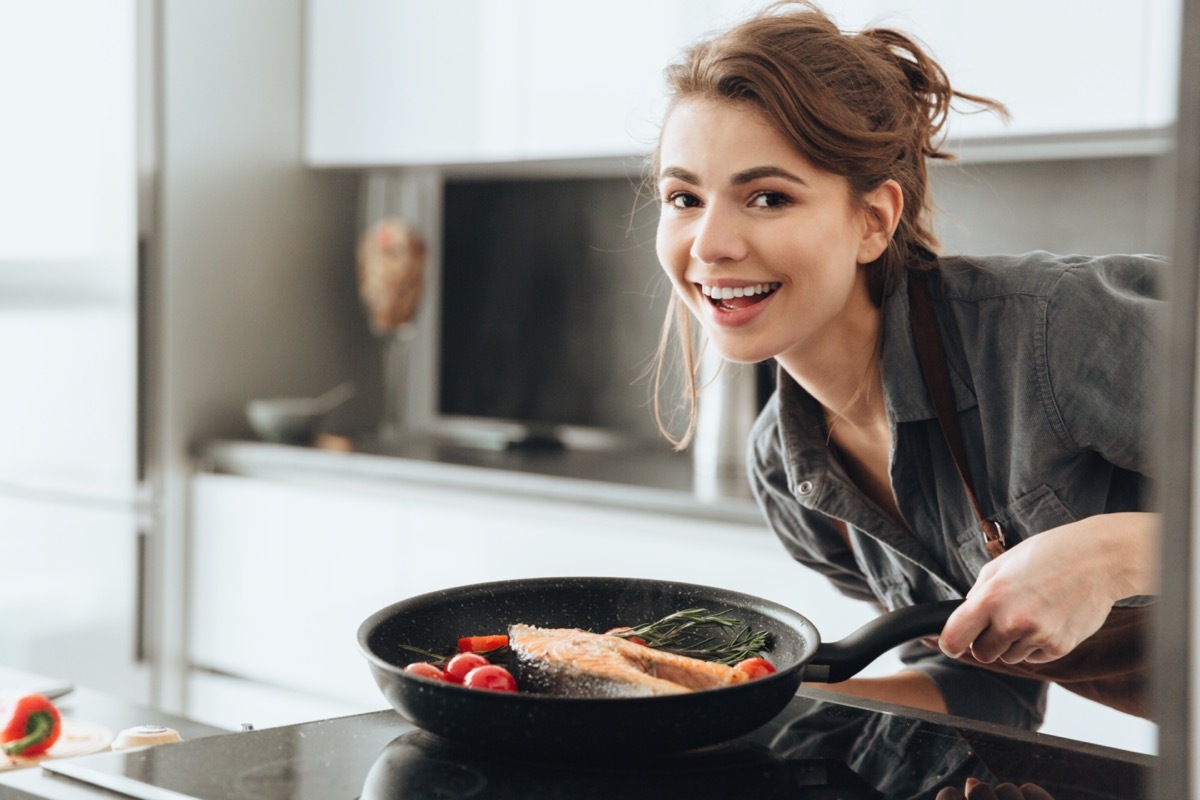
column 719, row 237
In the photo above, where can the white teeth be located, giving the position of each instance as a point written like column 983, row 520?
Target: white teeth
column 728, row 293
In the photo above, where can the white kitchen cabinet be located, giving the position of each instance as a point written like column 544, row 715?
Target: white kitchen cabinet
column 69, row 587
column 280, row 578
column 591, row 77
column 1063, row 67
column 408, row 82
column 483, row 80
column 510, row 80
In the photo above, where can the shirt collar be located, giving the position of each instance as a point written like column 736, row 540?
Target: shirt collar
column 904, row 391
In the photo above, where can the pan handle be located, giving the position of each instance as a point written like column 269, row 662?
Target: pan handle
column 834, row 662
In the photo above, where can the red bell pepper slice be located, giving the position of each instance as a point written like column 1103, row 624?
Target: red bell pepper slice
column 33, row 726
column 482, row 644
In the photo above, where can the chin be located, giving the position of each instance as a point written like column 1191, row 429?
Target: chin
column 738, row 355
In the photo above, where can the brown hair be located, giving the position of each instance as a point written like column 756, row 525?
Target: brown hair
column 869, row 106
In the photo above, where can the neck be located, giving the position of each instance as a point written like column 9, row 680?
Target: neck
column 840, row 370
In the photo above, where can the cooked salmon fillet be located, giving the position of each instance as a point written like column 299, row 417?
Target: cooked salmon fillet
column 575, row 663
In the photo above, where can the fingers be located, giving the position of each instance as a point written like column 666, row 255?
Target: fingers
column 1011, row 635
column 978, row 790
column 963, row 627
column 950, row 793
column 1019, row 652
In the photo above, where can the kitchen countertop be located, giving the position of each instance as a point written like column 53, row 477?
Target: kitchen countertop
column 822, row 740
column 640, row 479
column 86, row 705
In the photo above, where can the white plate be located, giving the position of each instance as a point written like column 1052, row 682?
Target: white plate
column 77, row 739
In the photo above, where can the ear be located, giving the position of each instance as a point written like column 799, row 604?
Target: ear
column 881, row 208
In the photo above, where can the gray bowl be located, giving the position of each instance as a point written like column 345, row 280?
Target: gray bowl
column 286, row 420
column 294, row 420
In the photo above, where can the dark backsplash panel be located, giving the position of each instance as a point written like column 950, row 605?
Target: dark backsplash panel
column 553, row 302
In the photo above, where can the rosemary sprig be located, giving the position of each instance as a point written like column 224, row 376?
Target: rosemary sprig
column 685, row 633
column 437, row 659
column 496, row 655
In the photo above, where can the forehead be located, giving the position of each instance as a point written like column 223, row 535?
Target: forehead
column 722, row 135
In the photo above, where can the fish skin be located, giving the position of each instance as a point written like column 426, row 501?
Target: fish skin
column 574, row 663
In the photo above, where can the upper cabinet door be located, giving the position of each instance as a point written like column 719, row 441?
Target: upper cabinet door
column 591, row 75
column 1062, row 67
column 409, row 82
column 508, row 80
column 484, row 80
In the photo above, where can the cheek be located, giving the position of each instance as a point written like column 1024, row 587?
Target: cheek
column 668, row 246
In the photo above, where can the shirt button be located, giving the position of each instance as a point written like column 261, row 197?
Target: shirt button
column 805, row 487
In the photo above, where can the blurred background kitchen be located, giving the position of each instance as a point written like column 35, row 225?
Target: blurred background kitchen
column 182, row 201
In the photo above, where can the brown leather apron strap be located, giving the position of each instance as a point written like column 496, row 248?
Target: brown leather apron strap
column 1110, row 667
column 932, row 356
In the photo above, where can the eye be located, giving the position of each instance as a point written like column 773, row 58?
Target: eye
column 770, row 200
column 681, row 200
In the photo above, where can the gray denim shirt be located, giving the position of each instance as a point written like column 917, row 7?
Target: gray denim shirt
column 1051, row 360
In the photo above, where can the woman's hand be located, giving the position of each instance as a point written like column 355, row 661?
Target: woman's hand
column 978, row 790
column 1043, row 597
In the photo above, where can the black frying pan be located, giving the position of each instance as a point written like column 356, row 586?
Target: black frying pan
column 543, row 726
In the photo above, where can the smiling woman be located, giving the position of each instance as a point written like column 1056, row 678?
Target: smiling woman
column 943, row 427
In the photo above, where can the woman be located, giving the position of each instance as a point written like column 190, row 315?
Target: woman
column 795, row 226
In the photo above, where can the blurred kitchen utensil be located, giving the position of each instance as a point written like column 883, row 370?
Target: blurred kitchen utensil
column 31, row 682
column 391, row 276
column 728, row 406
column 391, row 270
column 294, row 420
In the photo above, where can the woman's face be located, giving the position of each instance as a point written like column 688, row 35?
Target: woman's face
column 762, row 246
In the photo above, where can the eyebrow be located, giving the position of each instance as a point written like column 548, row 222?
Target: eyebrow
column 754, row 173
column 740, row 178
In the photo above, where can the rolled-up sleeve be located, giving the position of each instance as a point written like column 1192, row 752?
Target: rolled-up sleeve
column 1105, row 404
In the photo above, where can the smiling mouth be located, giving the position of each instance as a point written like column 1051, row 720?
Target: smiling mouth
column 734, row 298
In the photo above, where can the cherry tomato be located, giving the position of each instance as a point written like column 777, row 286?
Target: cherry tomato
column 425, row 670
column 755, row 667
column 482, row 644
column 461, row 664
column 634, row 639
column 491, row 676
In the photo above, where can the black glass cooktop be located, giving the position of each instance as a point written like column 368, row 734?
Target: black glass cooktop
column 817, row 748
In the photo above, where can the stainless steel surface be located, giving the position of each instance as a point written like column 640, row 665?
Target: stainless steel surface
column 1175, row 641
column 728, row 406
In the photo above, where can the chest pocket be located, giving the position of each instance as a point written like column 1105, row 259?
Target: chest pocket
column 1030, row 514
